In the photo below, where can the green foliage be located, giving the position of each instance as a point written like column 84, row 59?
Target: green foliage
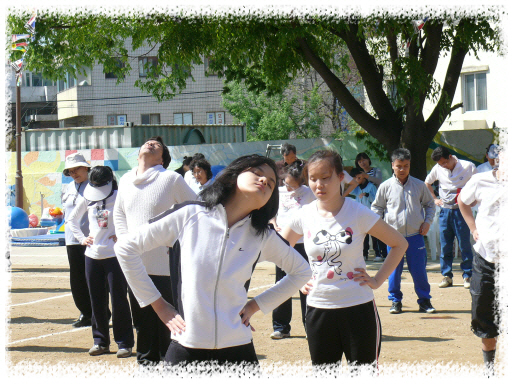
column 274, row 117
column 374, row 149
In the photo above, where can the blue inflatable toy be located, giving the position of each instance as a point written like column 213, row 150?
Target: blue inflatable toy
column 216, row 169
column 18, row 218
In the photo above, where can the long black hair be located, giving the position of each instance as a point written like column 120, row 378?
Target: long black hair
column 295, row 170
column 224, row 186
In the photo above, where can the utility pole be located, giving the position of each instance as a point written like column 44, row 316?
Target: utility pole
column 19, row 178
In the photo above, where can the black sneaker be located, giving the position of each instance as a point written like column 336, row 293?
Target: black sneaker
column 396, row 307
column 426, row 307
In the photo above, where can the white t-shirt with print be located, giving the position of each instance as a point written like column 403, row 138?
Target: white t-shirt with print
column 291, row 202
column 335, row 248
column 487, row 191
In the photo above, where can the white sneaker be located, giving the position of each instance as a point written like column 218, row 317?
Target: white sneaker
column 378, row 258
column 97, row 350
column 447, row 282
column 276, row 335
column 124, row 352
column 467, row 282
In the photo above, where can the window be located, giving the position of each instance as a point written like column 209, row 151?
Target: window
column 27, row 79
column 183, row 118
column 116, row 119
column 475, row 91
column 37, row 80
column 112, row 75
column 215, row 118
column 143, row 64
column 184, row 68
column 152, row 118
column 208, row 62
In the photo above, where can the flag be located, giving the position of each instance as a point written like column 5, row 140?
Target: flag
column 418, row 25
column 15, row 38
column 18, row 78
column 19, row 47
column 31, row 24
column 17, row 65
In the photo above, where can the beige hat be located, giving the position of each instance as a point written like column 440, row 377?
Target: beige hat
column 75, row 160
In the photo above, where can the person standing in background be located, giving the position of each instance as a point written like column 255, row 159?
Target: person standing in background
column 144, row 192
column 76, row 167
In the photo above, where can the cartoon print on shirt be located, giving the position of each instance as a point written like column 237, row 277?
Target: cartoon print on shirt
column 332, row 250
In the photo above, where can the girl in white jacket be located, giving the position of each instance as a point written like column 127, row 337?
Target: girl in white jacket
column 217, row 243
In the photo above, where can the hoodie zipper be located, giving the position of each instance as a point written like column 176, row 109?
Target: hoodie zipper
column 223, row 252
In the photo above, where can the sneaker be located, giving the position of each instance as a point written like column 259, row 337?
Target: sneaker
column 97, row 350
column 426, row 306
column 447, row 282
column 276, row 335
column 378, row 258
column 124, row 352
column 467, row 282
column 396, row 307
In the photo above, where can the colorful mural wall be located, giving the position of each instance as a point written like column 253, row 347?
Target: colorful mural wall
column 42, row 171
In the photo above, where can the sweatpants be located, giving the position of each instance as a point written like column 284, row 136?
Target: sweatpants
column 485, row 316
column 153, row 336
column 239, row 354
column 98, row 273
column 282, row 315
column 416, row 256
column 77, row 279
column 354, row 331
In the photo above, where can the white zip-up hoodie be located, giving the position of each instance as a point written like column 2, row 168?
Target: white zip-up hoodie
column 211, row 267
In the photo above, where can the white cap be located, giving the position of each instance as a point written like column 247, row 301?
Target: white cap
column 94, row 192
column 73, row 161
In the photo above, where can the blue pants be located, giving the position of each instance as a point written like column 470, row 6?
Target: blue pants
column 416, row 255
column 451, row 224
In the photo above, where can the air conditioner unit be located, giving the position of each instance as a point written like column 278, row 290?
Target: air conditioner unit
column 128, row 124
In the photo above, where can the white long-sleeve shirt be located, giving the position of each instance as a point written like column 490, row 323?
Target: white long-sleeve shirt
column 142, row 197
column 210, row 276
column 101, row 226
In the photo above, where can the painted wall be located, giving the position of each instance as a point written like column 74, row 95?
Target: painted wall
column 42, row 171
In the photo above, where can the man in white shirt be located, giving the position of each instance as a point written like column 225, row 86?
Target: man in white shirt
column 491, row 154
column 145, row 192
column 452, row 175
column 486, row 189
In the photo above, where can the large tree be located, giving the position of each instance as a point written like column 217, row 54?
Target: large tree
column 268, row 52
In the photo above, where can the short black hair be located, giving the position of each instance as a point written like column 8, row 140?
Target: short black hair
column 102, row 174
column 355, row 171
column 440, row 152
column 203, row 164
column 197, row 156
column 401, row 154
column 360, row 156
column 166, row 156
column 224, row 186
column 287, row 148
column 187, row 160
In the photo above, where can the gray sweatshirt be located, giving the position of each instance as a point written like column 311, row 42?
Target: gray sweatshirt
column 404, row 206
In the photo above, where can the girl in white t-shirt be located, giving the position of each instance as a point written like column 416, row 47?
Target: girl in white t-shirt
column 102, row 270
column 341, row 315
column 292, row 196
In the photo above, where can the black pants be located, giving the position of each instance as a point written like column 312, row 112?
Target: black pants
column 282, row 315
column 378, row 246
column 98, row 273
column 240, row 354
column 354, row 331
column 153, row 336
column 77, row 280
column 484, row 306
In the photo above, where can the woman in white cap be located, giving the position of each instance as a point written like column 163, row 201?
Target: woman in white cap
column 101, row 265
column 77, row 168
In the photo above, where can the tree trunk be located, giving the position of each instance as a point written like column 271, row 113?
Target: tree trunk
column 416, row 141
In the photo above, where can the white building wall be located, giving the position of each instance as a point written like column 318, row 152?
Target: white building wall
column 496, row 68
column 104, row 97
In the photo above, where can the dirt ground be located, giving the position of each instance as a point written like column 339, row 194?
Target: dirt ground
column 40, row 311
